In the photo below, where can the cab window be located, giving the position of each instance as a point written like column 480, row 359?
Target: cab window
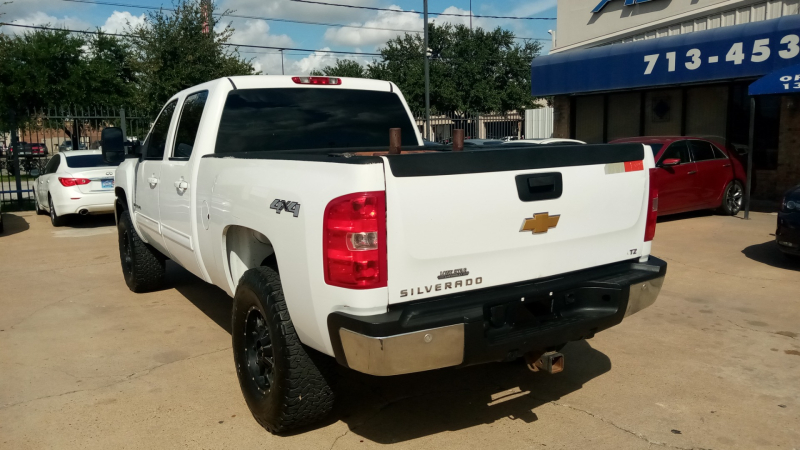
column 157, row 140
column 52, row 165
column 702, row 151
column 677, row 150
column 189, row 124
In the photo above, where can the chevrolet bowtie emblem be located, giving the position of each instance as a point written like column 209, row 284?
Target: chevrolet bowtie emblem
column 540, row 223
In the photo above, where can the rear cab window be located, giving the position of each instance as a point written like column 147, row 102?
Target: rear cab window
column 189, row 124
column 264, row 120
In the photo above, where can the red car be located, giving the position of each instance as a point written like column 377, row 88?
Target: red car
column 694, row 173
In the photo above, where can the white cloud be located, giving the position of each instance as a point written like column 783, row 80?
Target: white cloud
column 119, row 20
column 300, row 11
column 366, row 37
column 257, row 32
column 40, row 18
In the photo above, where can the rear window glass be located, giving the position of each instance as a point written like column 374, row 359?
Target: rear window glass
column 83, row 161
column 307, row 118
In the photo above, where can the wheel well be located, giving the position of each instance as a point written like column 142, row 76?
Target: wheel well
column 247, row 249
column 121, row 202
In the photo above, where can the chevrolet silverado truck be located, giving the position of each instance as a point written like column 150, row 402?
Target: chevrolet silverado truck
column 339, row 244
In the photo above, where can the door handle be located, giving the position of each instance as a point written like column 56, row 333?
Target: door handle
column 182, row 185
column 691, row 172
column 153, row 181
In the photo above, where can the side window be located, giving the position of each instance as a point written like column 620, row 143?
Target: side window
column 701, row 151
column 189, row 124
column 157, row 140
column 52, row 165
column 718, row 153
column 677, row 150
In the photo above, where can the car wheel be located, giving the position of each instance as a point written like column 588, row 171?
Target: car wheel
column 39, row 210
column 286, row 384
column 55, row 219
column 732, row 199
column 142, row 266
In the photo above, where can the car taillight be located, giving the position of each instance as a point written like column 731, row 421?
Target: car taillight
column 354, row 241
column 318, row 80
column 652, row 210
column 73, row 181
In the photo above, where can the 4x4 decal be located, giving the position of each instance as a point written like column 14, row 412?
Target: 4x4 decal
column 285, row 205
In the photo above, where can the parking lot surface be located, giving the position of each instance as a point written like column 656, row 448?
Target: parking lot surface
column 85, row 363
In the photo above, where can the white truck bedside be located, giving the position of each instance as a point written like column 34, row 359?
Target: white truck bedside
column 280, row 190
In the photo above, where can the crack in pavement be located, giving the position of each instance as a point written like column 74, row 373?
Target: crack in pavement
column 631, row 432
column 131, row 377
column 776, row 333
column 53, row 304
column 337, row 439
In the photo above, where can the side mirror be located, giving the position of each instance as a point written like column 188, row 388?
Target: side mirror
column 670, row 162
column 113, row 149
column 34, row 173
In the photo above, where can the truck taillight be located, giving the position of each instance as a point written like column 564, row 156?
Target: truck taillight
column 354, row 241
column 73, row 181
column 652, row 211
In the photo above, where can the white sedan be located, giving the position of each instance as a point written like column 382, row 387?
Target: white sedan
column 75, row 182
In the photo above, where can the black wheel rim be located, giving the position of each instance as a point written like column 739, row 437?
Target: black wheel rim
column 258, row 351
column 125, row 244
column 734, row 199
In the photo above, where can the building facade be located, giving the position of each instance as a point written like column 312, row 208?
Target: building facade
column 623, row 68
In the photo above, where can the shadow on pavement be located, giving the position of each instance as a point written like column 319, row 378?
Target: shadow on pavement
column 13, row 224
column 769, row 254
column 686, row 215
column 403, row 408
column 90, row 221
column 406, row 407
column 209, row 299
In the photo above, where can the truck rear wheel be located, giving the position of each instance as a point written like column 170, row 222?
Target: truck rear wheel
column 286, row 384
column 142, row 266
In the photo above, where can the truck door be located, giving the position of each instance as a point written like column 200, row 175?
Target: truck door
column 148, row 177
column 176, row 192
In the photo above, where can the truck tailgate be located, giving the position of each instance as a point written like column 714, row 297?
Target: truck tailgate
column 471, row 220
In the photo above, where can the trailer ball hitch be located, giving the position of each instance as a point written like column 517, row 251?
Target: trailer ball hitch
column 550, row 362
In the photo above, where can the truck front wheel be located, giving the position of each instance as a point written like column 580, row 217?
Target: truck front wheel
column 286, row 385
column 142, row 266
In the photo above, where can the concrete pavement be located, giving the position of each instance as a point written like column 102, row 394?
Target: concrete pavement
column 84, row 363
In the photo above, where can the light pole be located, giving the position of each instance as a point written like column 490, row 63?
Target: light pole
column 427, row 77
column 282, row 71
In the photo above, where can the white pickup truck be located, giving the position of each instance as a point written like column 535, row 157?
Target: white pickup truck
column 280, row 190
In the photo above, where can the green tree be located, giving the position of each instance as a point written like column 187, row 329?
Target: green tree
column 179, row 48
column 471, row 70
column 342, row 68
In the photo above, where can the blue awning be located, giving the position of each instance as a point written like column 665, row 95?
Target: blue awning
column 740, row 51
column 784, row 81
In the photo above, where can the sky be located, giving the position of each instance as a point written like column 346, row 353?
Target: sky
column 86, row 16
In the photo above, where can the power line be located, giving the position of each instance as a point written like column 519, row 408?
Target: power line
column 372, row 8
column 272, row 19
column 229, row 44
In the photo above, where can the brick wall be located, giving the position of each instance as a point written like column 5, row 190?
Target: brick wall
column 788, row 173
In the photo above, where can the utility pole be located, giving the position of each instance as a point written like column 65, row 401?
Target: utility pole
column 427, row 78
column 282, row 71
column 470, row 16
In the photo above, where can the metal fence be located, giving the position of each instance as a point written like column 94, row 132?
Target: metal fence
column 504, row 126
column 40, row 134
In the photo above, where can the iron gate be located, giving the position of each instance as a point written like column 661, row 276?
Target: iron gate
column 40, row 134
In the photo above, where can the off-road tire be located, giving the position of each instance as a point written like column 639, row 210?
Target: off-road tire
column 142, row 266
column 299, row 392
column 732, row 199
column 55, row 219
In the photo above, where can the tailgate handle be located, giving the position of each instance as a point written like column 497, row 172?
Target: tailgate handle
column 539, row 186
